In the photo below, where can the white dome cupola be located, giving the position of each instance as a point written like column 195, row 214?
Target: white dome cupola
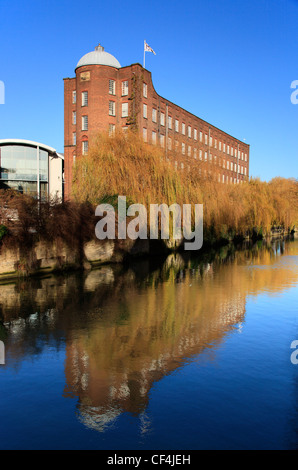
column 99, row 57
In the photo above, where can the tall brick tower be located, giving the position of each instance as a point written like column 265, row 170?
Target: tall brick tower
column 86, row 98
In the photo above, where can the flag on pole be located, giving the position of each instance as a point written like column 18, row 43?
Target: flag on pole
column 148, row 48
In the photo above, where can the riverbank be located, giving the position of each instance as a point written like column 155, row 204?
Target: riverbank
column 43, row 257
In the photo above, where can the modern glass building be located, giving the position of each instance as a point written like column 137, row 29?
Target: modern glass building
column 31, row 168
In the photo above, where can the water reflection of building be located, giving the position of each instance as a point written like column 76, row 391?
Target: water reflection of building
column 112, row 367
column 123, row 331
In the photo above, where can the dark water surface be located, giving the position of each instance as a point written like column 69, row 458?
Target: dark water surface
column 187, row 354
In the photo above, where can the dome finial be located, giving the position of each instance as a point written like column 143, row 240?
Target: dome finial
column 99, row 48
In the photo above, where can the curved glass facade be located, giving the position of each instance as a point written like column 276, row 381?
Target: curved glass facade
column 19, row 166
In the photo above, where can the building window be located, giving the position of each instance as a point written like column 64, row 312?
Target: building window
column 74, row 138
column 85, row 147
column 228, row 165
column 201, row 136
column 169, row 143
column 183, row 148
column 145, row 90
column 219, row 145
column 153, row 137
column 162, row 140
column 145, row 134
column 206, row 156
column 85, row 98
column 195, row 153
column 112, row 129
column 125, row 88
column 176, row 125
column 112, row 87
column 84, row 123
column 74, row 97
column 154, row 115
column 195, row 134
column 232, row 152
column 224, row 148
column 145, row 111
column 201, row 155
column 169, row 122
column 189, row 151
column 183, row 128
column 215, row 143
column 206, row 139
column 124, row 110
column 189, row 131
column 210, row 141
column 112, row 108
column 74, row 117
column 162, row 119
column 228, row 150
column 245, row 171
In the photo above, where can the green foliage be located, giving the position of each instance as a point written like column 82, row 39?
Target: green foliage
column 3, row 232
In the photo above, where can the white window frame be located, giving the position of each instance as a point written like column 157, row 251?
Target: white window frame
column 124, row 110
column 145, row 90
column 112, row 87
column 154, row 115
column 144, row 111
column 84, row 123
column 85, row 147
column 124, row 88
column 112, row 108
column 84, row 98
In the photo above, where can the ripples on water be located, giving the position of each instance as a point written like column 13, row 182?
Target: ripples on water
column 189, row 353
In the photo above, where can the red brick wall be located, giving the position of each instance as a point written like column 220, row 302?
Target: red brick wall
column 99, row 119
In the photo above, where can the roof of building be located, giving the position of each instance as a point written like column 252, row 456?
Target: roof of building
column 31, row 143
column 99, row 57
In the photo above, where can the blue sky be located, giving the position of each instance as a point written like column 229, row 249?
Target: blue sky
column 230, row 62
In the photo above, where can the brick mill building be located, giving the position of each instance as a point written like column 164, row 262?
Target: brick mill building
column 105, row 96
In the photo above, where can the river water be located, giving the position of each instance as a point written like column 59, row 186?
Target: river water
column 181, row 353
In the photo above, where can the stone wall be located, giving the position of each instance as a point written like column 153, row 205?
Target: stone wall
column 47, row 257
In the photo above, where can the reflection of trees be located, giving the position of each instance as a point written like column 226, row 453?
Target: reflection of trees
column 126, row 328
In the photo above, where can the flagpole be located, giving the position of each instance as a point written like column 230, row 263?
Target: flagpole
column 144, row 53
